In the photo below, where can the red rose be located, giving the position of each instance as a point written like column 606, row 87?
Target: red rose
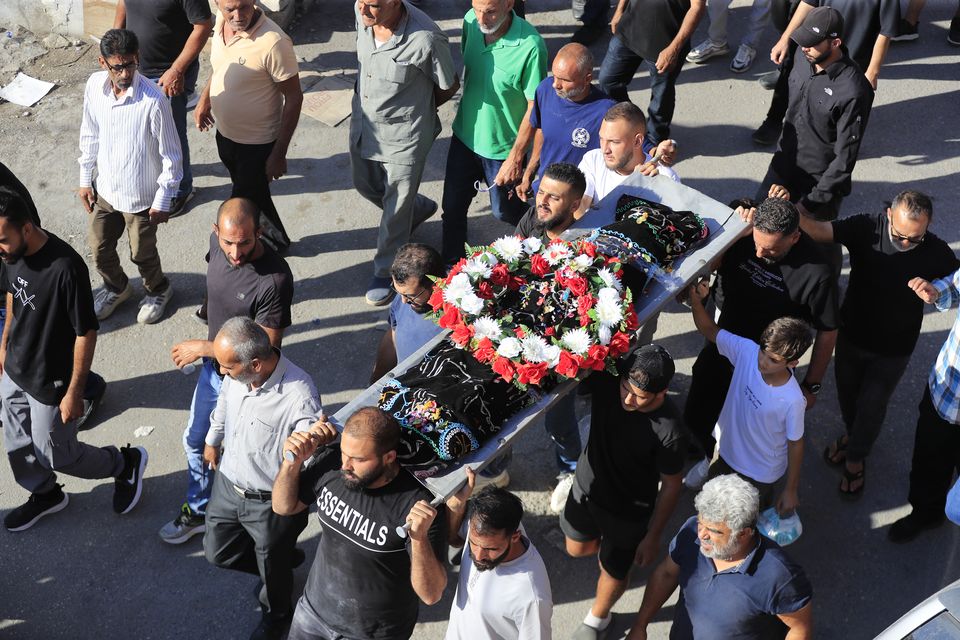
column 519, row 332
column 569, row 365
column 539, row 265
column 500, row 275
column 588, row 248
column 516, row 283
column 504, row 368
column 484, row 290
column 531, row 373
column 577, row 286
column 619, row 344
column 550, row 331
column 436, row 298
column 596, row 358
column 457, row 268
column 632, row 322
column 485, row 351
column 585, row 303
column 450, row 318
column 461, row 334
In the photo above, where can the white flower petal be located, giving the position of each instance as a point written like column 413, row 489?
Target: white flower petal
column 532, row 245
column 510, row 248
column 487, row 327
column 604, row 335
column 471, row 304
column 577, row 340
column 509, row 348
column 534, row 349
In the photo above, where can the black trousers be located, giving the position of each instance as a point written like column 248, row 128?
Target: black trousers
column 247, row 166
column 708, row 391
column 246, row 535
column 936, row 457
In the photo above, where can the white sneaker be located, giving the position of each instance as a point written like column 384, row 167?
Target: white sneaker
column 558, row 499
column 105, row 302
column 152, row 307
column 706, row 50
column 744, row 59
column 697, row 475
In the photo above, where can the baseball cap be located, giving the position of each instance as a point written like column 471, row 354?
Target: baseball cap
column 650, row 368
column 820, row 24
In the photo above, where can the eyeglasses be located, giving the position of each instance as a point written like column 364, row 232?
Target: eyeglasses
column 120, row 68
column 411, row 298
column 896, row 235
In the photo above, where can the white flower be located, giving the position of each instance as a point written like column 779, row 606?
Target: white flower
column 477, row 267
column 608, row 293
column 604, row 335
column 609, row 279
column 609, row 311
column 534, row 349
column 581, row 262
column 532, row 245
column 458, row 287
column 509, row 348
column 576, row 340
column 510, row 248
column 552, row 353
column 556, row 253
column 486, row 327
column 471, row 304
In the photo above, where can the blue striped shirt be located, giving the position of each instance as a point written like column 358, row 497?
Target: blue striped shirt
column 132, row 144
column 944, row 380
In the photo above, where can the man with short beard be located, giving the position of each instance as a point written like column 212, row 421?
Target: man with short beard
column 734, row 583
column 504, row 591
column 367, row 581
column 264, row 398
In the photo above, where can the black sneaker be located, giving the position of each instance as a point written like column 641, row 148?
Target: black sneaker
column 768, row 133
column 910, row 526
column 201, row 314
column 129, row 484
column 905, row 32
column 92, row 397
column 37, row 506
column 953, row 36
column 178, row 206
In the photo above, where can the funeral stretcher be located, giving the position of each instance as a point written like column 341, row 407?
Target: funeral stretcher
column 724, row 228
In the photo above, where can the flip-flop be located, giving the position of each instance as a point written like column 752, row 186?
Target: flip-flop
column 839, row 447
column 851, row 477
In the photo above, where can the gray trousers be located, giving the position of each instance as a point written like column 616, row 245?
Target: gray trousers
column 246, row 535
column 392, row 188
column 38, row 443
column 865, row 383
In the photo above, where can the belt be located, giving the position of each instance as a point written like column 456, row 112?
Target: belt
column 250, row 494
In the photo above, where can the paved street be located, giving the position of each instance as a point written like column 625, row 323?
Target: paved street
column 87, row 573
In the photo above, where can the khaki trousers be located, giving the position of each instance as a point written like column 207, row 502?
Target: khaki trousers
column 106, row 227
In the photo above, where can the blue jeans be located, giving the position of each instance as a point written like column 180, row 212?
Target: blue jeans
column 464, row 168
column 200, row 479
column 178, row 104
column 616, row 72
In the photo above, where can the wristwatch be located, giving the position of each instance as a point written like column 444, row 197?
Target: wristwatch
column 812, row 387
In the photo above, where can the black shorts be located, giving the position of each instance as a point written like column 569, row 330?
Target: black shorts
column 583, row 520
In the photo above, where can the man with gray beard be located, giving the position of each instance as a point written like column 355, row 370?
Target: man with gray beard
column 734, row 583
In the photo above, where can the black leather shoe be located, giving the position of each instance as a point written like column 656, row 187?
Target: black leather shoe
column 910, row 526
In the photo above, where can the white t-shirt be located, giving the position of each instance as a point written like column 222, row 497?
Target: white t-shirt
column 509, row 602
column 757, row 419
column 601, row 180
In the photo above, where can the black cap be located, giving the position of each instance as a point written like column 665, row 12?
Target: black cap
column 820, row 24
column 649, row 368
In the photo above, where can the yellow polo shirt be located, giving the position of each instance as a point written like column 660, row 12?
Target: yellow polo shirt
column 244, row 96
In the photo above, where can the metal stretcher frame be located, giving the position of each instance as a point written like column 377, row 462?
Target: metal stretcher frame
column 724, row 229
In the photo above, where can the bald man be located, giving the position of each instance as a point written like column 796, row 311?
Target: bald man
column 247, row 278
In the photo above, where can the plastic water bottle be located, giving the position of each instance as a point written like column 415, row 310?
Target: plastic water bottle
column 188, row 369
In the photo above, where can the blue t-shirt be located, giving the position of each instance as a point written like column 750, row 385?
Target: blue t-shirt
column 741, row 603
column 410, row 329
column 570, row 129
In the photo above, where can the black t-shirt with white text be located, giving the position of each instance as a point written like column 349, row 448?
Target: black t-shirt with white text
column 628, row 450
column 52, row 305
column 880, row 312
column 163, row 28
column 751, row 293
column 359, row 584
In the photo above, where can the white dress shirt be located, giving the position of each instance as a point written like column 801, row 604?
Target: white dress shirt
column 132, row 143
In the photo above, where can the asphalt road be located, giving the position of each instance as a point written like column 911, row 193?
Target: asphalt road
column 87, row 573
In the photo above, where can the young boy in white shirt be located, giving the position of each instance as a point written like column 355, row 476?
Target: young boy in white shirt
column 761, row 423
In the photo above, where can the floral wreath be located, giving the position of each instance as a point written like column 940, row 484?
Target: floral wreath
column 533, row 310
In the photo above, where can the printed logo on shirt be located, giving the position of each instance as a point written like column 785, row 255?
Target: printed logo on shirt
column 761, row 277
column 580, row 138
column 752, row 397
column 20, row 294
column 335, row 513
column 241, row 295
column 828, row 91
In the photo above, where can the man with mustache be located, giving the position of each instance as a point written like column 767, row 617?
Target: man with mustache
column 734, row 583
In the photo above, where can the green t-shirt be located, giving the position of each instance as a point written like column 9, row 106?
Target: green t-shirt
column 498, row 81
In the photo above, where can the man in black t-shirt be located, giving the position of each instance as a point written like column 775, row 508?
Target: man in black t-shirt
column 777, row 271
column 655, row 33
column 614, row 510
column 881, row 317
column 45, row 354
column 172, row 33
column 244, row 278
column 366, row 582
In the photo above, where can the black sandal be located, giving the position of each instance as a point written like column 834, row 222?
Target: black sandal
column 839, row 447
column 851, row 477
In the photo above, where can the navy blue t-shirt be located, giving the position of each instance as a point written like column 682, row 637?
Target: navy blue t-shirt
column 570, row 129
column 741, row 603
